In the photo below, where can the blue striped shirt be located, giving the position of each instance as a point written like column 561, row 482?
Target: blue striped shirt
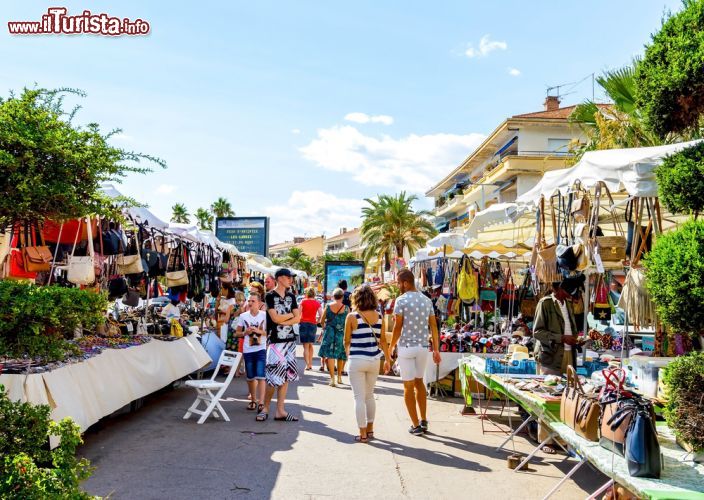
column 365, row 339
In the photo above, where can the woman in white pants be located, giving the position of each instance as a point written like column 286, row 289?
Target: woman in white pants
column 364, row 345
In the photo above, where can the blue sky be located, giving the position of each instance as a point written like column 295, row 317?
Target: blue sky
column 249, row 100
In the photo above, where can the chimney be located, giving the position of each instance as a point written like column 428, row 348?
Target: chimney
column 298, row 239
column 552, row 102
column 343, row 230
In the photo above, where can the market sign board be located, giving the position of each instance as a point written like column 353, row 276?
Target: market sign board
column 352, row 271
column 248, row 234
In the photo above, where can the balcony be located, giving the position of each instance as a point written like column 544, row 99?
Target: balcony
column 450, row 207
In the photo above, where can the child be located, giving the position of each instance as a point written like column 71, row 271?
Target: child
column 253, row 328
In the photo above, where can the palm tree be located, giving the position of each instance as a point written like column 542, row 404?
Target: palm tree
column 222, row 208
column 294, row 256
column 390, row 226
column 618, row 125
column 204, row 219
column 179, row 214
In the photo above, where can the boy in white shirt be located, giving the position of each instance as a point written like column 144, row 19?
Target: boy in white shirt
column 253, row 328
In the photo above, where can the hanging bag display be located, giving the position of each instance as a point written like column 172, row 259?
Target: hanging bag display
column 581, row 206
column 487, row 292
column 528, row 302
column 546, row 265
column 14, row 266
column 610, row 248
column 509, row 296
column 81, row 270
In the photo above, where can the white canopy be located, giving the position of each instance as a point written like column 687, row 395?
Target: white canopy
column 140, row 214
column 429, row 253
column 499, row 213
column 629, row 169
column 453, row 240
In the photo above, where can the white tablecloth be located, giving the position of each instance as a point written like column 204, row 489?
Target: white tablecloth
column 103, row 384
column 449, row 361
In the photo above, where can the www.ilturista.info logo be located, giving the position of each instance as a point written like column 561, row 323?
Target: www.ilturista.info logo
column 57, row 22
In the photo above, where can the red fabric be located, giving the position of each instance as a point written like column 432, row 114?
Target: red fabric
column 309, row 309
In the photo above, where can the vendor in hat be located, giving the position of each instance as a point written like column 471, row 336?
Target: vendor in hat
column 555, row 328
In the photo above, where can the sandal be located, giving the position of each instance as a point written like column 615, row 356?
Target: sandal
column 361, row 439
column 252, row 405
column 260, row 408
column 287, row 418
column 261, row 416
column 370, row 435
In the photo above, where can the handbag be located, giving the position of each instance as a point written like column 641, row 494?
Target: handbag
column 13, row 266
column 546, row 264
column 81, row 270
column 642, row 454
column 176, row 274
column 528, row 302
column 467, row 283
column 509, row 302
column 131, row 298
column 487, row 293
column 131, row 264
column 613, row 427
column 36, row 258
column 579, row 411
column 602, row 308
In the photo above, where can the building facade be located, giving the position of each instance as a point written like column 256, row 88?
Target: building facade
column 348, row 241
column 510, row 161
column 312, row 247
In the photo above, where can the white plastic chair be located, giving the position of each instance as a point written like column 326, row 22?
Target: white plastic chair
column 205, row 389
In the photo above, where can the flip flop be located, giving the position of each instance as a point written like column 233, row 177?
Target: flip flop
column 261, row 417
column 360, row 439
column 287, row 418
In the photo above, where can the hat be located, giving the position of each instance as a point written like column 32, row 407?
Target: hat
column 284, row 272
column 573, row 284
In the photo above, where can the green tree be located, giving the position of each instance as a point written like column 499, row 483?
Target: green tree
column 681, row 181
column 179, row 214
column 293, row 256
column 222, row 208
column 52, row 168
column 318, row 265
column 620, row 124
column 670, row 79
column 204, row 219
column 390, row 225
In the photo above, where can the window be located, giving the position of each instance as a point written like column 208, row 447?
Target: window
column 559, row 145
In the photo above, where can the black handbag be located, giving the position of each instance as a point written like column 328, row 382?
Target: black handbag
column 117, row 287
column 110, row 242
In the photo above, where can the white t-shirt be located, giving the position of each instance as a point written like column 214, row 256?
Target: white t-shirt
column 259, row 321
column 568, row 326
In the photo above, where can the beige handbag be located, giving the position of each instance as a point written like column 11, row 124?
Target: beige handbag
column 174, row 276
column 81, row 270
column 130, row 264
column 546, row 265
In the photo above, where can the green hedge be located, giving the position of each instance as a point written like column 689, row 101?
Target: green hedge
column 670, row 78
column 681, row 181
column 675, row 277
column 28, row 470
column 36, row 321
column 684, row 378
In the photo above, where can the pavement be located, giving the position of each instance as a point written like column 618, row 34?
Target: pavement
column 152, row 453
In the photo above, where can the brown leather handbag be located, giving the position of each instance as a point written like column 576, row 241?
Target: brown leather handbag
column 38, row 257
column 613, row 430
column 579, row 411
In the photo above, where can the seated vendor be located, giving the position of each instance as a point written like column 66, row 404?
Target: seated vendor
column 555, row 329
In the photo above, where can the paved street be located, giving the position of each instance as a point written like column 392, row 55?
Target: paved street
column 154, row 454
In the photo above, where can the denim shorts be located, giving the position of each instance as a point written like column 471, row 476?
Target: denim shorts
column 307, row 332
column 254, row 364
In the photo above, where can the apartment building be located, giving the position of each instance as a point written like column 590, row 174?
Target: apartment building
column 347, row 241
column 510, row 161
column 313, row 247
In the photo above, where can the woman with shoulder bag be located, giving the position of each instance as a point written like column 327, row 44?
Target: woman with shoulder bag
column 364, row 345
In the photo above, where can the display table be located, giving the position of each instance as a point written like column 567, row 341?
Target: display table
column 101, row 385
column 680, row 479
column 448, row 362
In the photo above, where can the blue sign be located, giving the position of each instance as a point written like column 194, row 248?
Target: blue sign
column 248, row 234
column 350, row 271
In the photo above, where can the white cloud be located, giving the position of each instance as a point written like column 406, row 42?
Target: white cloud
column 166, row 189
column 312, row 213
column 413, row 163
column 486, row 46
column 296, row 131
column 365, row 118
column 514, row 72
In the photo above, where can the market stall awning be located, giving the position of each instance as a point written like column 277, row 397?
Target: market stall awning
column 140, row 214
column 630, row 169
column 454, row 240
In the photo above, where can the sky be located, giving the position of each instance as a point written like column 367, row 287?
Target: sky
column 299, row 110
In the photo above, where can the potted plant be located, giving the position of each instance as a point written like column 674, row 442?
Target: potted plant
column 684, row 379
